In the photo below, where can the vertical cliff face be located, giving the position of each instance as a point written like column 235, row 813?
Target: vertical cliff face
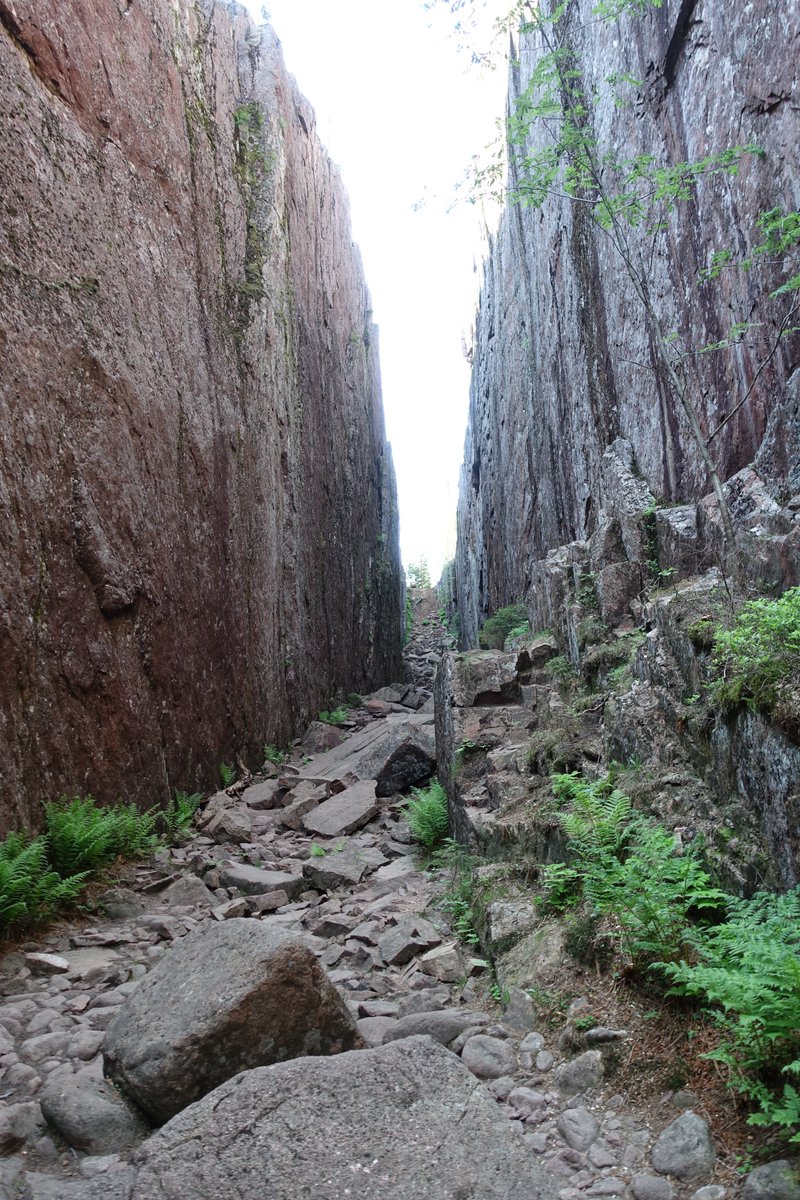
column 198, row 542
column 563, row 360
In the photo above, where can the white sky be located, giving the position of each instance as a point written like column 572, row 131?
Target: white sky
column 401, row 111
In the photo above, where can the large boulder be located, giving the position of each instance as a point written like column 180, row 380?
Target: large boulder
column 227, row 997
column 397, row 753
column 398, row 1121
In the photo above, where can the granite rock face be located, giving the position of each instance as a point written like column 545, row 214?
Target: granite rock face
column 198, row 539
column 562, row 364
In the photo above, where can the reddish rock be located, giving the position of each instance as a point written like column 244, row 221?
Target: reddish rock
column 194, row 467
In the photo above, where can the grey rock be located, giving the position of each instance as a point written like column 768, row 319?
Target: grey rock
column 253, row 881
column 334, row 871
column 684, row 1149
column 231, row 909
column 376, row 1115
column 711, row 1191
column 264, row 795
column 609, row 1186
column 42, row 963
column 374, row 1029
column 397, row 752
column 188, row 890
column 19, row 1123
column 532, row 1043
column 443, row 962
column 344, row 812
column 578, row 1127
column 544, row 1061
column 226, row 997
column 599, row 1034
column 443, row 1027
column 526, row 1100
column 35, row 1050
column 91, row 1115
column 411, row 935
column 773, row 1181
column 489, row 1057
column 651, row 1187
column 580, row 1074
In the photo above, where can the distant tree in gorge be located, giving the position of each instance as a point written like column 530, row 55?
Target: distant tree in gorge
column 418, row 575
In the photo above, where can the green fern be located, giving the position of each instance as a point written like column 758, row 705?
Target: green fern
column 29, row 887
column 426, row 813
column 81, row 836
column 627, row 867
column 748, row 970
column 176, row 818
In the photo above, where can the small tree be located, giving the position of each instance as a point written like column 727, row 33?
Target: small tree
column 418, row 575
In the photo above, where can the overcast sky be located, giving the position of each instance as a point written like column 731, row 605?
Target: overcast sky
column 401, row 111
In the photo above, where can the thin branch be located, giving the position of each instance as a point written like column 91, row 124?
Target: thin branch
column 787, row 318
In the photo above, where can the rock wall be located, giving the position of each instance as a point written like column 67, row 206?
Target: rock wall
column 198, row 543
column 563, row 364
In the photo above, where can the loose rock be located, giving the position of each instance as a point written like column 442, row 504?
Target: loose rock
column 227, row 997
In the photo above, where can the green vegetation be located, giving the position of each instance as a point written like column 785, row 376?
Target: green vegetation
column 336, row 716
column 30, row 889
column 521, row 630
column 659, row 905
column 497, row 628
column 628, row 867
column 459, row 900
column 758, row 659
column 40, row 875
column 354, row 700
column 317, row 851
column 82, row 836
column 274, row 755
column 227, row 774
column 418, row 574
column 252, row 168
column 409, row 619
column 426, row 813
column 748, row 969
column 175, row 820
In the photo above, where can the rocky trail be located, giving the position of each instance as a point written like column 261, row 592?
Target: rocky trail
column 296, row 937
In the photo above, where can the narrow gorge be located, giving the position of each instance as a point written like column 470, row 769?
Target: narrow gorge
column 316, row 884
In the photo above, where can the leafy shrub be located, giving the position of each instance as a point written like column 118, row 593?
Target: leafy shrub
column 227, row 774
column 496, row 628
column 29, row 887
column 354, row 700
column 426, row 814
column 336, row 716
column 81, row 836
column 748, row 968
column 760, row 655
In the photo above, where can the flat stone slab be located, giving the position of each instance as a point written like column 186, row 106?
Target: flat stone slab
column 345, row 812
column 228, row 996
column 255, row 881
column 334, row 870
column 396, row 752
column 400, row 1122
